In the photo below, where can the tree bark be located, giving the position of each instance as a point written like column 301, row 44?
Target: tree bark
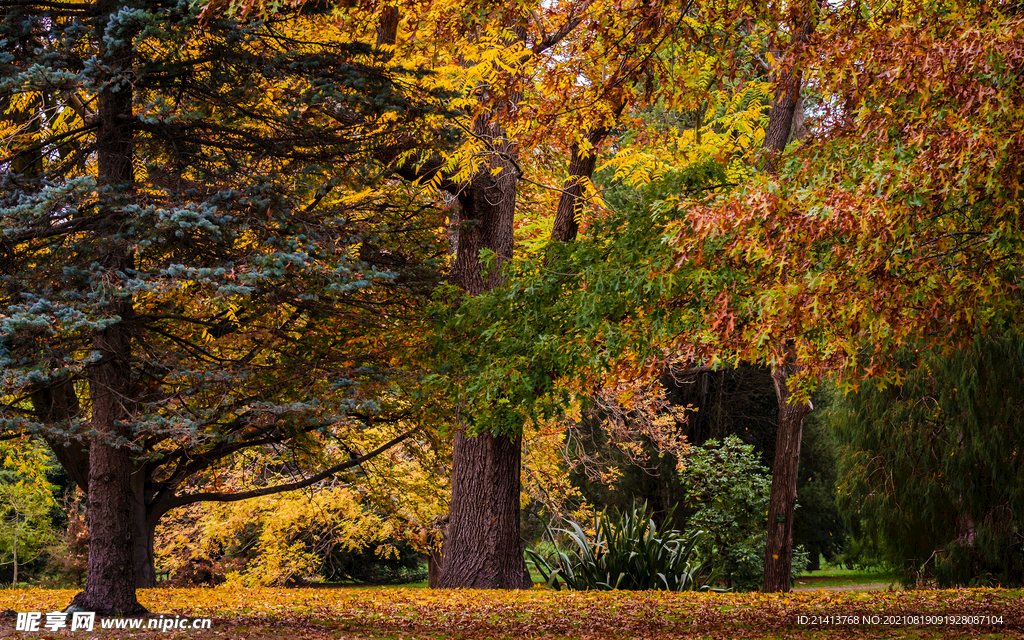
column 57, row 404
column 484, row 548
column 782, row 501
column 787, row 82
column 110, row 580
column 570, row 203
column 143, row 529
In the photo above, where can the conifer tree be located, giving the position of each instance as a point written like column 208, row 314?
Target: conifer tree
column 184, row 267
column 933, row 468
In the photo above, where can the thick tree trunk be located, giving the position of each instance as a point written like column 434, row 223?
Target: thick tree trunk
column 484, row 549
column 110, row 578
column 782, row 501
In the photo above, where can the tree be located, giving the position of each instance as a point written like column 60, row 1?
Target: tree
column 26, row 499
column 538, row 56
column 883, row 229
column 728, row 489
column 933, row 466
column 193, row 263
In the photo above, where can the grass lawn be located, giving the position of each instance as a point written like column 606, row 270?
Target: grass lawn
column 379, row 614
column 835, row 577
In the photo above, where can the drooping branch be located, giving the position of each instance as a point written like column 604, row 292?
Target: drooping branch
column 180, row 501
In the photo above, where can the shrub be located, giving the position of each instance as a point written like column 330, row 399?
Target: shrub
column 629, row 552
column 743, row 563
column 727, row 489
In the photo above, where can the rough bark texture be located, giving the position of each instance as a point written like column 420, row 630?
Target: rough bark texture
column 58, row 403
column 110, row 581
column 484, row 549
column 782, row 502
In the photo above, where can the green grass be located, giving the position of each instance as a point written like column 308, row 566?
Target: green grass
column 836, row 577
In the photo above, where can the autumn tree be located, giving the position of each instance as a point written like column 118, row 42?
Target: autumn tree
column 882, row 228
column 194, row 259
column 885, row 227
column 555, row 78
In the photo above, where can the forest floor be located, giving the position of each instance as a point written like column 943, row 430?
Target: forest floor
column 407, row 614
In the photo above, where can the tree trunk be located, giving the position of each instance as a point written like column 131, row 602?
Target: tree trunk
column 787, row 82
column 782, row 501
column 571, row 202
column 143, row 527
column 484, row 548
column 110, row 578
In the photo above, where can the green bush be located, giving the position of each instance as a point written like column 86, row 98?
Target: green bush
column 628, row 552
column 744, row 563
column 727, row 490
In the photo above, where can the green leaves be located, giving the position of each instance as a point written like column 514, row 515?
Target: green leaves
column 630, row 552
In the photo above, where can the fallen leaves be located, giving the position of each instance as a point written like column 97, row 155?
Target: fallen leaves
column 540, row 613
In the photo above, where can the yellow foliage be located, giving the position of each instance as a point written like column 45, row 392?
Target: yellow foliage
column 284, row 534
column 29, row 460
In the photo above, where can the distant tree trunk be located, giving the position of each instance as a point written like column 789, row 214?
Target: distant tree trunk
column 57, row 404
column 782, row 500
column 434, row 567
column 17, row 529
column 787, row 103
column 110, row 578
column 570, row 203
